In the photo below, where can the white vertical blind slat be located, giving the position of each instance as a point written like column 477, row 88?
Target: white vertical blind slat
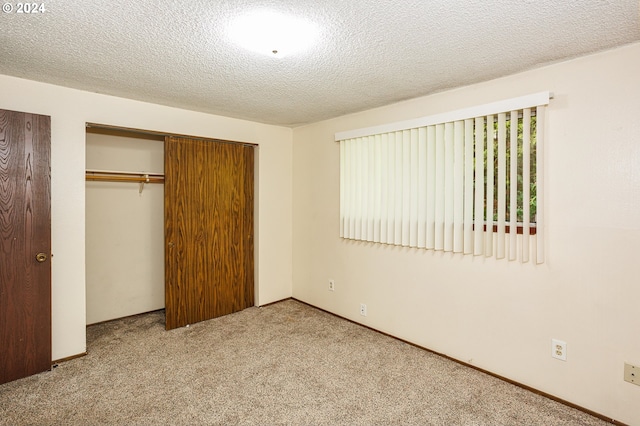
column 350, row 184
column 384, row 186
column 359, row 158
column 397, row 232
column 440, row 190
column 391, row 188
column 458, row 187
column 422, row 187
column 406, row 185
column 367, row 184
column 357, row 202
column 488, row 248
column 343, row 158
column 502, row 184
column 413, row 215
column 353, row 208
column 448, row 186
column 377, row 199
column 370, row 179
column 468, row 186
column 431, row 187
column 540, row 120
column 513, row 186
column 526, row 180
column 478, row 208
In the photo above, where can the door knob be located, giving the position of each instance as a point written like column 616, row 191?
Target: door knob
column 41, row 257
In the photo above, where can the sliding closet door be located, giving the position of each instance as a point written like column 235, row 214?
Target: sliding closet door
column 208, row 229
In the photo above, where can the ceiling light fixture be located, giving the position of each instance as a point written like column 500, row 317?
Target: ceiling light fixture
column 271, row 33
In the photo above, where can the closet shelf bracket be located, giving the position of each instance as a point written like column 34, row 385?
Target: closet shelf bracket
column 146, row 180
column 112, row 176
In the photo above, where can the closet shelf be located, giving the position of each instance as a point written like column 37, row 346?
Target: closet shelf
column 113, row 176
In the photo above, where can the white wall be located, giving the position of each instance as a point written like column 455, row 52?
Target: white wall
column 496, row 314
column 70, row 110
column 124, row 241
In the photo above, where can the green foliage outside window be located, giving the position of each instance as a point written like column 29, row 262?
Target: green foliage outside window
column 532, row 185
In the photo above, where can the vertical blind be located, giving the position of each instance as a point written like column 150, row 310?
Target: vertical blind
column 458, row 182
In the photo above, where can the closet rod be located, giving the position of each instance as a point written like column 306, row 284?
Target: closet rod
column 114, row 176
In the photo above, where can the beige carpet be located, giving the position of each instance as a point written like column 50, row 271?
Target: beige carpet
column 287, row 363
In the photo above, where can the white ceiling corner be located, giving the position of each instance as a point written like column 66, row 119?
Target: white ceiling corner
column 370, row 53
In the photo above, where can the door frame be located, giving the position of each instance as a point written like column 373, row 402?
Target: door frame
column 256, row 180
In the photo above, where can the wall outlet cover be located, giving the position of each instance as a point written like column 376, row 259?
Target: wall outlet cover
column 559, row 349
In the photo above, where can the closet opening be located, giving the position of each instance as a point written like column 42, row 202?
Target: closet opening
column 124, row 245
column 156, row 242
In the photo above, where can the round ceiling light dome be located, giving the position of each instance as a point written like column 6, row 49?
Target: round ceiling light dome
column 271, row 33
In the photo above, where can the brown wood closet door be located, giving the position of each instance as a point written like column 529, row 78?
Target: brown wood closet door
column 25, row 245
column 208, row 229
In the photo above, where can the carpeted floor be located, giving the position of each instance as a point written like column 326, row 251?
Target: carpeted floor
column 284, row 364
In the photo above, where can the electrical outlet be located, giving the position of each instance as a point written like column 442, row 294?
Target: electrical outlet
column 632, row 374
column 332, row 285
column 559, row 349
column 363, row 309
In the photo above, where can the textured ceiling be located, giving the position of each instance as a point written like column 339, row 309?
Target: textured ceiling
column 370, row 53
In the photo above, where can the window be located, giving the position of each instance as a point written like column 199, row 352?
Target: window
column 462, row 182
column 492, row 135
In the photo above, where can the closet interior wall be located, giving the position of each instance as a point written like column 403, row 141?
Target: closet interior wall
column 124, row 227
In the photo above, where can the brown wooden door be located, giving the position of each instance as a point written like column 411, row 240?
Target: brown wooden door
column 25, row 231
column 209, row 229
